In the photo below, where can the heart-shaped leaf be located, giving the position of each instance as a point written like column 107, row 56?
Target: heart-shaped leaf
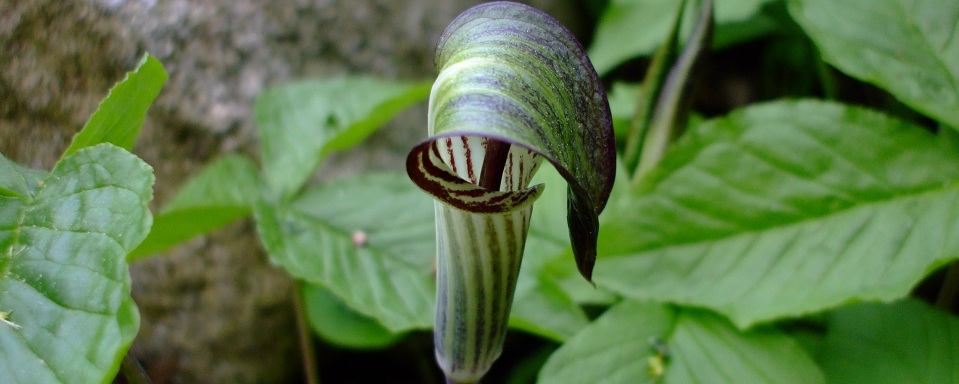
column 64, row 284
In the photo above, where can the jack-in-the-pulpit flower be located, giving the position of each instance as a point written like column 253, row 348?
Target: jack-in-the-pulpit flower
column 514, row 88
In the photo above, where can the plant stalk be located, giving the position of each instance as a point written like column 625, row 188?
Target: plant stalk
column 133, row 371
column 305, row 337
column 672, row 106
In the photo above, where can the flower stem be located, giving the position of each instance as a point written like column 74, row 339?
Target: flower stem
column 305, row 336
column 133, row 371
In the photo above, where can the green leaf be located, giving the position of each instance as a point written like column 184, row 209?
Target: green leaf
column 337, row 323
column 908, row 48
column 631, row 28
column 904, row 342
column 64, row 281
column 368, row 240
column 302, row 122
column 645, row 342
column 18, row 181
column 221, row 193
column 120, row 115
column 784, row 209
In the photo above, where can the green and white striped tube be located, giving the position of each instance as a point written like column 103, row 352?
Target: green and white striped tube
column 514, row 88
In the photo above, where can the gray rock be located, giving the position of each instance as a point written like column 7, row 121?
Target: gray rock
column 213, row 310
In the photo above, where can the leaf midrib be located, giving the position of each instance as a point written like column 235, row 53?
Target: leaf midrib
column 951, row 186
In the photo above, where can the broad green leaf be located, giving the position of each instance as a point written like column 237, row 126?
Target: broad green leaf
column 645, row 342
column 907, row 47
column 337, row 323
column 903, row 342
column 783, row 209
column 64, row 281
column 368, row 240
column 120, row 115
column 17, row 180
column 302, row 122
column 631, row 28
column 221, row 193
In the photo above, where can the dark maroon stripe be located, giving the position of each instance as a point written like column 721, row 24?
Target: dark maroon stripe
column 469, row 159
column 449, row 151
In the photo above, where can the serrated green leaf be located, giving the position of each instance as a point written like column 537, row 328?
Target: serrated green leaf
column 120, row 115
column 908, row 48
column 302, row 122
column 631, row 28
column 644, row 342
column 17, row 180
column 784, row 209
column 64, row 283
column 337, row 323
column 903, row 342
column 223, row 192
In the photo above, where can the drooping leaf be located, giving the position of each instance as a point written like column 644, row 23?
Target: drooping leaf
column 301, row 123
column 64, row 281
column 224, row 191
column 784, row 209
column 512, row 74
column 646, row 342
column 120, row 115
column 631, row 28
column 903, row 342
column 338, row 324
column 908, row 48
